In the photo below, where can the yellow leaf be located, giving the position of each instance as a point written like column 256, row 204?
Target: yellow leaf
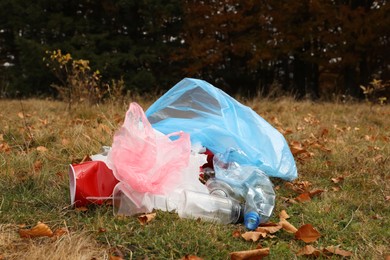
column 40, row 230
column 307, row 233
column 255, row 254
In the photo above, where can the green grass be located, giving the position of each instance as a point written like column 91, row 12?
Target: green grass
column 34, row 185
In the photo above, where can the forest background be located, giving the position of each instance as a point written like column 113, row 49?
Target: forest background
column 308, row 49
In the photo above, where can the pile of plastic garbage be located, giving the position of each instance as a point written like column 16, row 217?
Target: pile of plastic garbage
column 195, row 151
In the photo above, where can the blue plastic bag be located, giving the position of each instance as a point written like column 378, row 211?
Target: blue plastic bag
column 219, row 122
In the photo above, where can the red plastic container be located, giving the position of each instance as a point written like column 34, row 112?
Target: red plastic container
column 90, row 182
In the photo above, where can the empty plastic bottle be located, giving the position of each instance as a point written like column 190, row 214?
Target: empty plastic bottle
column 208, row 207
column 245, row 183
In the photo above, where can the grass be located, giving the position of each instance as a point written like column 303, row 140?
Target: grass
column 347, row 142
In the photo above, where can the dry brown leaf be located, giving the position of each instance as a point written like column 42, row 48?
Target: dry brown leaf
column 336, row 188
column 191, row 257
column 287, row 226
column 40, row 230
column 300, row 187
column 309, row 250
column 254, row 235
column 387, row 198
column 269, row 229
column 316, row 192
column 60, row 232
column 387, row 257
column 304, row 197
column 307, row 233
column 236, row 233
column 283, row 215
column 297, row 148
column 21, row 115
column 4, row 147
column 337, row 179
column 255, row 254
column 114, row 257
column 337, row 251
column 146, row 218
column 289, row 200
column 42, row 149
column 81, row 209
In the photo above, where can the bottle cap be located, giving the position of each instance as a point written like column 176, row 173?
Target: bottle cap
column 251, row 220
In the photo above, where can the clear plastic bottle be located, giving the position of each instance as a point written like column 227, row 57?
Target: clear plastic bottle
column 208, row 207
column 249, row 185
column 187, row 203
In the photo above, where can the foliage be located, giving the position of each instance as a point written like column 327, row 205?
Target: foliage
column 78, row 81
column 340, row 201
column 376, row 91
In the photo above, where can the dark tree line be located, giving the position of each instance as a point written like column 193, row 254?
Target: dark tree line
column 307, row 48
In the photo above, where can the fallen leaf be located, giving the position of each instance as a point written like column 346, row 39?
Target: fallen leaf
column 336, row 188
column 283, row 215
column 191, row 257
column 60, row 232
column 254, row 235
column 307, row 233
column 300, row 187
column 337, row 251
column 304, row 197
column 297, row 148
column 255, row 254
column 337, row 179
column 269, row 229
column 42, row 149
column 21, row 115
column 287, row 226
column 309, row 250
column 289, row 200
column 81, row 209
column 387, row 198
column 102, row 230
column 146, row 218
column 40, row 230
column 236, row 233
column 316, row 192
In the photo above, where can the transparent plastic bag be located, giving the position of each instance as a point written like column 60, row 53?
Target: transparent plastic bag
column 145, row 160
column 218, row 122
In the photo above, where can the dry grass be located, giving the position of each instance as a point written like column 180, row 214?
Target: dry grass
column 348, row 142
column 73, row 246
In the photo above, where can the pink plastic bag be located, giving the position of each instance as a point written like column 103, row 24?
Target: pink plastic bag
column 145, row 159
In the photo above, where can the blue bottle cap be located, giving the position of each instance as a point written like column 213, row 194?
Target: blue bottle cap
column 251, row 220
